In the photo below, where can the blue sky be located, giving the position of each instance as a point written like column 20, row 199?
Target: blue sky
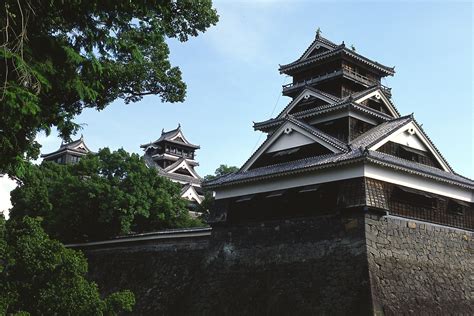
column 232, row 75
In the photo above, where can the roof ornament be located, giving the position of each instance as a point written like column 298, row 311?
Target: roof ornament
column 353, row 47
column 318, row 32
column 179, row 125
column 364, row 150
column 162, row 131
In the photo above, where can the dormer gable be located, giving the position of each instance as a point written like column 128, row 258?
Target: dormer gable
column 318, row 46
column 308, row 98
column 189, row 192
column 411, row 143
column 375, row 97
column 293, row 140
column 182, row 167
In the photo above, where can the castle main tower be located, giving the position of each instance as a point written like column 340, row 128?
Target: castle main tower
column 341, row 144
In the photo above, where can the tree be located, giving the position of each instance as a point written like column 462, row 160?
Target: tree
column 208, row 201
column 40, row 276
column 59, row 57
column 220, row 171
column 102, row 196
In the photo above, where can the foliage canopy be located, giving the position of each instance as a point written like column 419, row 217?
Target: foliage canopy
column 220, row 171
column 39, row 276
column 103, row 195
column 207, row 203
column 59, row 57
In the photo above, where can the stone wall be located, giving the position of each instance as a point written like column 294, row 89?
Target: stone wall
column 300, row 267
column 353, row 263
column 419, row 268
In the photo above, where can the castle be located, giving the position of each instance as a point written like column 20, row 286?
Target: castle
column 172, row 155
column 341, row 144
column 347, row 208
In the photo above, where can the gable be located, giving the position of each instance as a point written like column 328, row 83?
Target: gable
column 191, row 195
column 290, row 140
column 412, row 139
column 183, row 168
column 284, row 142
column 290, row 154
column 378, row 97
column 316, row 48
column 308, row 97
column 179, row 137
column 81, row 146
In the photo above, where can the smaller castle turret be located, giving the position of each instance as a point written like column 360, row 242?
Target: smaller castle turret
column 70, row 152
column 172, row 155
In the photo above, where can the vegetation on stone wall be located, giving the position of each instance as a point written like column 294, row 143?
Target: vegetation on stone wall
column 104, row 195
column 39, row 276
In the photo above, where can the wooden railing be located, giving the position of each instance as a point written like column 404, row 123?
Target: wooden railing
column 312, row 80
column 349, row 73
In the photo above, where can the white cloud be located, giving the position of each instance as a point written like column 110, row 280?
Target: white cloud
column 6, row 186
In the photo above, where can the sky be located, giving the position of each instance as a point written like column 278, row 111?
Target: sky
column 232, row 76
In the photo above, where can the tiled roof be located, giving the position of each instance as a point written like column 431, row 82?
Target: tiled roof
column 341, row 49
column 173, row 176
column 70, row 147
column 167, row 136
column 358, row 151
column 322, row 110
column 336, row 160
column 379, row 132
column 179, row 177
column 282, row 169
column 418, row 168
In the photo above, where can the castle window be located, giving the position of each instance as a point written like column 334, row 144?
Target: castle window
column 414, row 197
column 457, row 207
column 412, row 154
column 244, row 198
column 275, row 194
column 310, row 188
